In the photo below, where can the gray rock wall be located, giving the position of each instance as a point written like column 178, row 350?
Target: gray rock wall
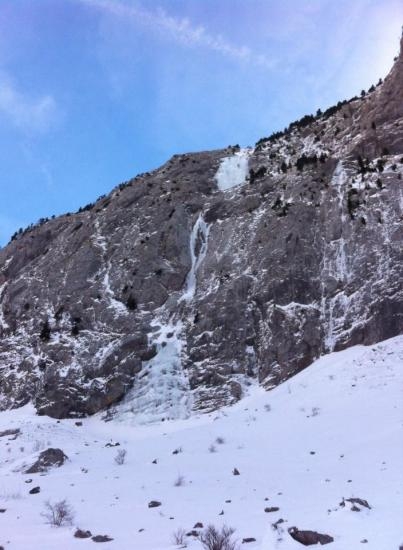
column 130, row 302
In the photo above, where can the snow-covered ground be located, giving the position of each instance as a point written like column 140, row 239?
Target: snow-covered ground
column 334, row 431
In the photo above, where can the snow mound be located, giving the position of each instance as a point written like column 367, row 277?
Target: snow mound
column 322, row 452
column 233, row 170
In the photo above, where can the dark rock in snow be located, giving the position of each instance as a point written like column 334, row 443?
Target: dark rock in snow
column 192, row 533
column 101, row 538
column 357, row 504
column 15, row 432
column 154, row 504
column 308, row 538
column 248, row 539
column 271, row 509
column 82, row 534
column 47, row 459
column 35, row 490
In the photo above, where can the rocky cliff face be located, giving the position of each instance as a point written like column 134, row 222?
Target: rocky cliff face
column 221, row 268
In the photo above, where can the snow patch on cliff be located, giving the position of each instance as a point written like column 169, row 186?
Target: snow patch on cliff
column 233, row 170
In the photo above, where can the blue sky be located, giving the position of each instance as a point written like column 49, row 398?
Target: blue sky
column 93, row 92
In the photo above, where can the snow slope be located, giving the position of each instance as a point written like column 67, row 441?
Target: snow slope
column 333, row 431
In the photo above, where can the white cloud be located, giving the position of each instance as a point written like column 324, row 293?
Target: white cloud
column 26, row 113
column 181, row 30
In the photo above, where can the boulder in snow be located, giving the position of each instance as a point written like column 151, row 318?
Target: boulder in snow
column 270, row 509
column 356, row 504
column 154, row 504
column 309, row 538
column 102, row 538
column 47, row 459
column 16, row 432
column 82, row 534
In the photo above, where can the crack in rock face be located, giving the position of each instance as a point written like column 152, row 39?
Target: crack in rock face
column 219, row 270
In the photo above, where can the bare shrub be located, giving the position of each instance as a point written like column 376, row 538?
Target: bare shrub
column 215, row 539
column 212, row 449
column 267, row 407
column 179, row 481
column 220, row 440
column 315, row 411
column 120, row 456
column 58, row 513
column 179, row 538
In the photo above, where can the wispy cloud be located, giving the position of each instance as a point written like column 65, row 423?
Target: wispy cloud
column 181, row 30
column 26, row 113
column 38, row 165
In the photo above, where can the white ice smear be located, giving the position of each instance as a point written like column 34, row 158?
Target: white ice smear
column 335, row 263
column 233, row 170
column 3, row 323
column 198, row 250
column 161, row 390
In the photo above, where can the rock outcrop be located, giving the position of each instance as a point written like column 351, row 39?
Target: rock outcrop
column 309, row 538
column 220, row 268
column 50, row 458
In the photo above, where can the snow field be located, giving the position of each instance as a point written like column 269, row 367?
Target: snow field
column 335, row 430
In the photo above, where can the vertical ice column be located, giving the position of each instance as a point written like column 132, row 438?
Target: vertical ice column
column 198, row 250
